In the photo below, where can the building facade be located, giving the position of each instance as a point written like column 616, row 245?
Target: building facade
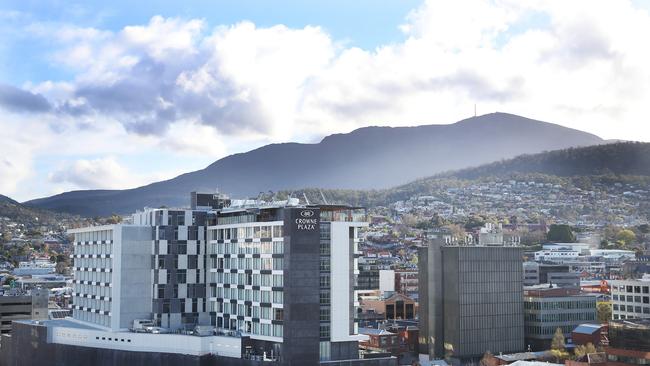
column 245, row 283
column 629, row 342
column 547, row 309
column 470, row 299
column 630, row 298
column 32, row 305
column 272, row 275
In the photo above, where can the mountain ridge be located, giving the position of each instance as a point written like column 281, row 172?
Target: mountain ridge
column 366, row 158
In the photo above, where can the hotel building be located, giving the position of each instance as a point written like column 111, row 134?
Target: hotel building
column 220, row 283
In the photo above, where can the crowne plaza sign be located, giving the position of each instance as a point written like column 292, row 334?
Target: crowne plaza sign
column 307, row 220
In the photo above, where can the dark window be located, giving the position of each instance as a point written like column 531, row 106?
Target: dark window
column 390, row 311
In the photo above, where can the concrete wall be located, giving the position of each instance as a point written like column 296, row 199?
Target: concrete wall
column 132, row 284
column 340, row 282
column 28, row 346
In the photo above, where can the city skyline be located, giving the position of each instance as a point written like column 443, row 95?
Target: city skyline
column 132, row 95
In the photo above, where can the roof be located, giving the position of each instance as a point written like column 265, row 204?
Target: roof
column 373, row 331
column 517, row 356
column 534, row 363
column 587, row 328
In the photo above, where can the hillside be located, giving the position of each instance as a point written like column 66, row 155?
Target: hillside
column 367, row 158
column 631, row 158
column 625, row 162
column 18, row 212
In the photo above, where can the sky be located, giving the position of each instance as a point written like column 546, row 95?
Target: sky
column 113, row 95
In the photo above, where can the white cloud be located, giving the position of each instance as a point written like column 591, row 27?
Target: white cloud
column 175, row 84
column 106, row 172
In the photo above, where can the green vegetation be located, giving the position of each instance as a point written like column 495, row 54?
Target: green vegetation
column 604, row 312
column 560, row 234
column 583, row 350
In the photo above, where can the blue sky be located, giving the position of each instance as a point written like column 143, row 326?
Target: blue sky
column 120, row 94
column 363, row 23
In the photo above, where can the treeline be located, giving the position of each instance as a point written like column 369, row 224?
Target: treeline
column 617, row 159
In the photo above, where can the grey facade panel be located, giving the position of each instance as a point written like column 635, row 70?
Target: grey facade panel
column 301, row 287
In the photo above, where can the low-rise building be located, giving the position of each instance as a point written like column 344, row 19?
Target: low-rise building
column 28, row 305
column 390, row 306
column 548, row 308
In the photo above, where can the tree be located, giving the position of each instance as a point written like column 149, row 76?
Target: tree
column 558, row 343
column 561, row 234
column 604, row 312
column 583, row 350
column 558, row 346
column 114, row 219
column 627, row 236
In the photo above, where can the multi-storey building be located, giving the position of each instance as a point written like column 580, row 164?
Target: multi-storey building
column 178, row 265
column 470, row 299
column 548, row 308
column 19, row 306
column 631, row 298
column 273, row 269
column 239, row 284
column 112, row 275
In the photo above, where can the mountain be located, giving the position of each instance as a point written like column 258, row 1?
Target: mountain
column 367, row 158
column 625, row 162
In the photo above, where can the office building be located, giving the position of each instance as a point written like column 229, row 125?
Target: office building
column 471, row 298
column 548, row 308
column 545, row 273
column 631, row 298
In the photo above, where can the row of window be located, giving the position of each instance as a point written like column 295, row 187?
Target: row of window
column 630, row 298
column 631, row 289
column 92, row 303
column 248, row 310
column 251, row 279
column 94, row 235
column 248, row 232
column 547, row 330
column 245, row 326
column 248, row 263
column 275, row 247
column 564, row 317
column 106, row 248
column 632, row 309
column 93, row 262
column 559, row 305
column 102, row 291
column 100, row 319
column 93, row 276
column 276, row 297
